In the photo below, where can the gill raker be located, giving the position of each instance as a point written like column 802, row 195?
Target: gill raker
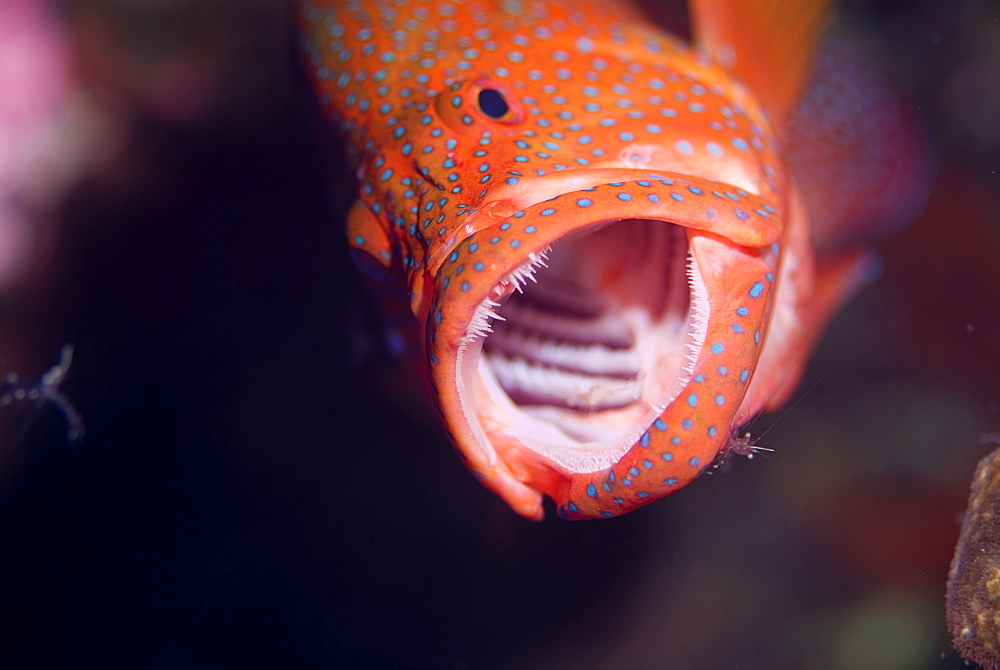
column 606, row 264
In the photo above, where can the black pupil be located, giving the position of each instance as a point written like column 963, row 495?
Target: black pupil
column 493, row 103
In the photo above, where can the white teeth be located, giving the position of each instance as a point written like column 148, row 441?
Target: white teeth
column 590, row 359
column 548, row 386
column 520, row 275
column 486, row 311
column 479, row 326
column 697, row 317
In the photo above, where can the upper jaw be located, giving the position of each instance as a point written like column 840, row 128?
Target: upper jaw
column 729, row 211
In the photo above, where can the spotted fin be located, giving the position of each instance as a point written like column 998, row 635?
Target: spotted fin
column 767, row 43
column 859, row 152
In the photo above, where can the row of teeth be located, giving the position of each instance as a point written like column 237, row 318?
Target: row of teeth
column 486, row 312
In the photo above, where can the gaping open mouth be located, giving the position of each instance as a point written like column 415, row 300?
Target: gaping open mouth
column 593, row 339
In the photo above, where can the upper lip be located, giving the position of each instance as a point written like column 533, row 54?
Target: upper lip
column 534, row 221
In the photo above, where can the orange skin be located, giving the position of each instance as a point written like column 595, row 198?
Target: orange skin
column 606, row 118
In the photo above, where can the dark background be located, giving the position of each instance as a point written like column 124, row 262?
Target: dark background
column 251, row 491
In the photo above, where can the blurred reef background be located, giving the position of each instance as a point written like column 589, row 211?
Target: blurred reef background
column 246, row 493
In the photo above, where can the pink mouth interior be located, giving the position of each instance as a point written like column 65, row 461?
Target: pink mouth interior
column 601, row 336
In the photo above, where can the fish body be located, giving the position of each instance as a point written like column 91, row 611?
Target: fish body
column 605, row 264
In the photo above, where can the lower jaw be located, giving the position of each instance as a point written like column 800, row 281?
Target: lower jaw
column 599, row 340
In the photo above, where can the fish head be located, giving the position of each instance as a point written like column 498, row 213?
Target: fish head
column 588, row 247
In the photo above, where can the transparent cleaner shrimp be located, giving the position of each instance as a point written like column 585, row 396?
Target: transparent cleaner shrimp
column 744, row 445
column 13, row 391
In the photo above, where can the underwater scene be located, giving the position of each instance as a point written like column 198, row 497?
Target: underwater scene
column 216, row 449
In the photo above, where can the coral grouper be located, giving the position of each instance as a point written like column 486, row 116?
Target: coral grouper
column 603, row 260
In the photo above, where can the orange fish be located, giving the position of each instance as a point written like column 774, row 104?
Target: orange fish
column 605, row 263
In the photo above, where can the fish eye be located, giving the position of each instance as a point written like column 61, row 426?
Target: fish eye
column 478, row 101
column 493, row 104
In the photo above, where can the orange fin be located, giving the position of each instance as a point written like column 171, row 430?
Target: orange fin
column 767, row 43
column 370, row 245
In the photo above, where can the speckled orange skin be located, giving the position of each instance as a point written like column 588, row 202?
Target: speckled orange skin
column 609, row 119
